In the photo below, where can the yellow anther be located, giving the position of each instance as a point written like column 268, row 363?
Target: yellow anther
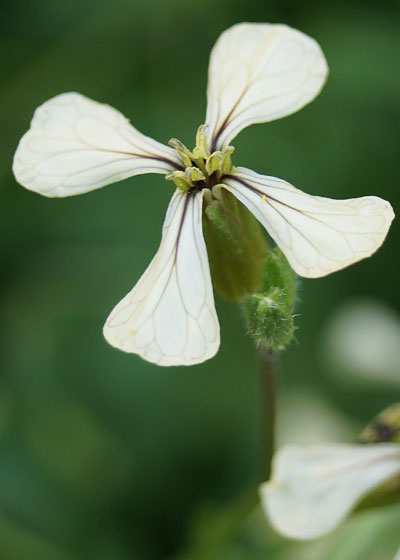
column 185, row 154
column 264, row 199
column 199, row 154
column 200, row 164
column 201, row 142
column 227, row 151
column 180, row 179
column 214, row 162
column 194, row 174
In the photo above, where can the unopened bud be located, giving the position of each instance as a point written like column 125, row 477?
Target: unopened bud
column 269, row 311
column 270, row 323
column 383, row 428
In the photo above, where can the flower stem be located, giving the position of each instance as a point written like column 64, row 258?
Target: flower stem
column 267, row 369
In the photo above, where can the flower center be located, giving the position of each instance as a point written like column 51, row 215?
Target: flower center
column 201, row 168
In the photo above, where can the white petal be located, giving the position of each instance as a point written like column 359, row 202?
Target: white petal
column 76, row 145
column 169, row 317
column 258, row 73
column 314, row 488
column 397, row 557
column 317, row 235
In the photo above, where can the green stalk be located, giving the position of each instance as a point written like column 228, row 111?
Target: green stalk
column 267, row 372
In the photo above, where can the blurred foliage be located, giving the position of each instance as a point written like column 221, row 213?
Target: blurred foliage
column 104, row 456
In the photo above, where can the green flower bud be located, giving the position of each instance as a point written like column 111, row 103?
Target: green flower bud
column 236, row 245
column 270, row 322
column 383, row 428
column 269, row 312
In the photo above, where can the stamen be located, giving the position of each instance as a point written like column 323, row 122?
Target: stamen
column 180, row 179
column 227, row 151
column 202, row 169
column 185, row 154
column 214, row 162
column 201, row 142
column 194, row 174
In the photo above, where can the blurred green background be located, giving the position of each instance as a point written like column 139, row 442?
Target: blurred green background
column 105, row 456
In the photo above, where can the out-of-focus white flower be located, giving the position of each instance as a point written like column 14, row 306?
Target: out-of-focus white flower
column 257, row 73
column 305, row 417
column 313, row 488
column 361, row 342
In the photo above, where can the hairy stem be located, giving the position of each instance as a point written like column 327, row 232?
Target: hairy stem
column 267, row 370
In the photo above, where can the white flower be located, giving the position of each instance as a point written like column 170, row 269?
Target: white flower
column 361, row 343
column 257, row 73
column 314, row 488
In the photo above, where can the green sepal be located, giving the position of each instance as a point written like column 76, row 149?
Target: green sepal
column 386, row 494
column 278, row 273
column 236, row 245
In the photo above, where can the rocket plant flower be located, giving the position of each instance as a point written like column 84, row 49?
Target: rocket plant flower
column 314, row 488
column 257, row 73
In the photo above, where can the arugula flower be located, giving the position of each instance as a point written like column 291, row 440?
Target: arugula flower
column 257, row 73
column 314, row 488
